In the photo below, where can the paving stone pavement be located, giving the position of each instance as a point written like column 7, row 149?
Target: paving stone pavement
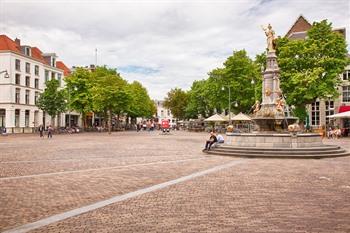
column 259, row 195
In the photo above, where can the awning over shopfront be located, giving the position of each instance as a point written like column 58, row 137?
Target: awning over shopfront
column 344, row 109
column 341, row 115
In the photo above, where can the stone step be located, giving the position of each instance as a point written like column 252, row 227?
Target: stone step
column 320, row 148
column 287, row 156
column 282, row 152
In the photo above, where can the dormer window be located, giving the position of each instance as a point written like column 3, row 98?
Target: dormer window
column 27, row 50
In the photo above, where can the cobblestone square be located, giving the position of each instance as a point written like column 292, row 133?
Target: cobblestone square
column 149, row 182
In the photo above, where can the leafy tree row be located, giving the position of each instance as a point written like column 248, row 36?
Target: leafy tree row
column 103, row 91
column 310, row 69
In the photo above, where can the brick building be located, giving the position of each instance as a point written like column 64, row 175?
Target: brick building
column 321, row 108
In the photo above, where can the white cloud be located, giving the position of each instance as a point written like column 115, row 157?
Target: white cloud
column 181, row 40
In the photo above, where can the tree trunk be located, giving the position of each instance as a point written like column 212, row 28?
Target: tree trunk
column 53, row 121
column 109, row 121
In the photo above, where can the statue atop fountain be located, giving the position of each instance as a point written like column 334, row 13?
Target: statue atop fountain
column 271, row 114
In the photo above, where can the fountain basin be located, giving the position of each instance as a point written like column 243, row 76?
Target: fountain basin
column 274, row 140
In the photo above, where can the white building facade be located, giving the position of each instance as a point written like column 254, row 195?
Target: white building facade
column 24, row 73
column 164, row 113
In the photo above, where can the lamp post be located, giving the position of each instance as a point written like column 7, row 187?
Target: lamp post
column 229, row 103
column 6, row 74
column 253, row 83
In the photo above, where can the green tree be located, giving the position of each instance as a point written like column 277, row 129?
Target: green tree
column 176, row 101
column 52, row 100
column 310, row 68
column 198, row 101
column 110, row 94
column 238, row 72
column 78, row 85
column 141, row 104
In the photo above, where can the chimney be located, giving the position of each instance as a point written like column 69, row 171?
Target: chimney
column 18, row 42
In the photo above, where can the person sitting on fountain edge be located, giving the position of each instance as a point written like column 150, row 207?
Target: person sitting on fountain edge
column 220, row 138
column 211, row 141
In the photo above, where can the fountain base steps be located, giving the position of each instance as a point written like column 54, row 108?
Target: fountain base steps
column 324, row 151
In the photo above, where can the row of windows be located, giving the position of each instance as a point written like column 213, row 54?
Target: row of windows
column 36, row 80
column 26, row 117
column 27, row 81
column 27, row 67
column 26, row 97
column 36, row 71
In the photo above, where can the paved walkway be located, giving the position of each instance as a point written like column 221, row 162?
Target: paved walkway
column 147, row 182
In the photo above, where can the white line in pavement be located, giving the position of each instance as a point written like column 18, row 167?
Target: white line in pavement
column 97, row 169
column 115, row 199
column 84, row 159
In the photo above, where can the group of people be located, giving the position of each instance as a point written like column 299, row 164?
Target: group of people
column 214, row 138
column 49, row 130
column 334, row 133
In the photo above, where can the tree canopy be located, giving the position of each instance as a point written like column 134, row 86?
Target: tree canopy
column 52, row 100
column 310, row 68
column 176, row 101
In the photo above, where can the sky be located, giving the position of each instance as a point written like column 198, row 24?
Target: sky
column 162, row 44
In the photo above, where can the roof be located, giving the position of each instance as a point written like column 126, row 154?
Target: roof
column 215, row 117
column 62, row 66
column 241, row 117
column 300, row 25
column 37, row 54
column 7, row 44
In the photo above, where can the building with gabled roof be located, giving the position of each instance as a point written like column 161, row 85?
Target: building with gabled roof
column 321, row 109
column 27, row 69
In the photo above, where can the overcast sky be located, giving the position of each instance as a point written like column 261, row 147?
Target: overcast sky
column 162, row 44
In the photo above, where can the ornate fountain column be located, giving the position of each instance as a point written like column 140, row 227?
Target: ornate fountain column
column 271, row 112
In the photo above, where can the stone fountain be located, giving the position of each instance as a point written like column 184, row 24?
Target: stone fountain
column 272, row 138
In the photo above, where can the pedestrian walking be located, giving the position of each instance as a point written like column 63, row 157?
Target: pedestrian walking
column 49, row 131
column 41, row 130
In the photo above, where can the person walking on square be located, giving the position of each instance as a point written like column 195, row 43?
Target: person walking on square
column 49, row 131
column 211, row 141
column 41, row 130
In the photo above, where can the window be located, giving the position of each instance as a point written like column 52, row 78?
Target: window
column 2, row 117
column 27, row 96
column 17, row 115
column 346, row 75
column 27, row 51
column 52, row 75
column 27, row 67
column 162, row 113
column 18, row 79
column 59, row 78
column 26, row 118
column 47, row 75
column 315, row 113
column 36, row 83
column 346, row 93
column 18, row 95
column 36, row 97
column 36, row 70
column 18, row 65
column 329, row 109
column 27, row 81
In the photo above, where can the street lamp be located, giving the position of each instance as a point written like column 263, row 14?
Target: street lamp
column 253, row 83
column 229, row 103
column 6, row 74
